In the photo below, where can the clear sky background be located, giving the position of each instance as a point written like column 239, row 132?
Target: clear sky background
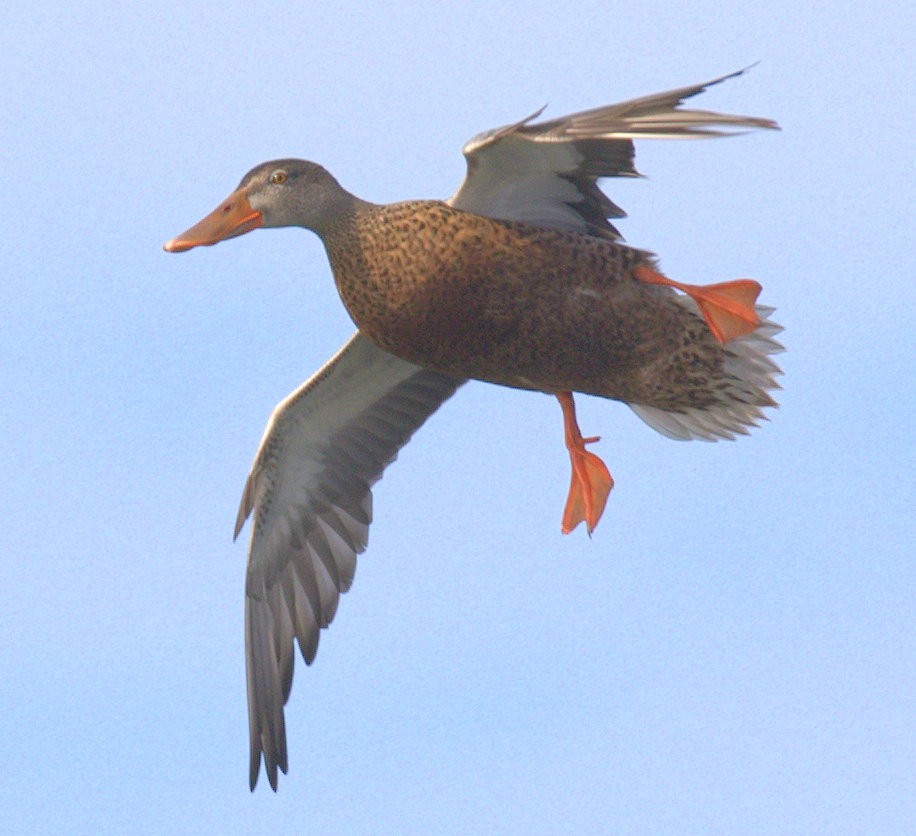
column 733, row 651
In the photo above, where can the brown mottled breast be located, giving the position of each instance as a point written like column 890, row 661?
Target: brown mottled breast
column 515, row 304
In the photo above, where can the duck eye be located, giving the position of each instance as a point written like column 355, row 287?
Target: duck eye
column 278, row 178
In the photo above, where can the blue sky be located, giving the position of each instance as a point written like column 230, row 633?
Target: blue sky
column 733, row 651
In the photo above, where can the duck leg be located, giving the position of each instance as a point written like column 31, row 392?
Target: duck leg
column 591, row 481
column 727, row 307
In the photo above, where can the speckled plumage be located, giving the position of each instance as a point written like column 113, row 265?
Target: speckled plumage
column 522, row 306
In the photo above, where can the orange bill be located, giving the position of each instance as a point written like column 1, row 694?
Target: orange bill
column 234, row 216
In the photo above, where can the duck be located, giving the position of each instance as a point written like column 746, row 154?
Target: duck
column 518, row 279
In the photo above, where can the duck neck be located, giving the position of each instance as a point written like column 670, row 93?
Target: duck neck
column 342, row 236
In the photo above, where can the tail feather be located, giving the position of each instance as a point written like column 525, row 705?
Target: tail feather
column 751, row 376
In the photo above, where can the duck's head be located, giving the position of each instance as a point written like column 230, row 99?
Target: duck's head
column 276, row 193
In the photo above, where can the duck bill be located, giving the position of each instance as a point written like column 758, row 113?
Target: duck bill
column 234, row 216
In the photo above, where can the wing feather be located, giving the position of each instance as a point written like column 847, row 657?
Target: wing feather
column 309, row 495
column 546, row 173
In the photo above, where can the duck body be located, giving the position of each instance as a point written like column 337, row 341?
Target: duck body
column 521, row 306
column 518, row 279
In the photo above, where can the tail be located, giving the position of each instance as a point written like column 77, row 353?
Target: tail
column 750, row 375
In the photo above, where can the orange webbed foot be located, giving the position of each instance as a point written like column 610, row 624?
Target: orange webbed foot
column 591, row 481
column 727, row 307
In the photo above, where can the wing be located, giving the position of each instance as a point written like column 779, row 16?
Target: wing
column 546, row 173
column 309, row 489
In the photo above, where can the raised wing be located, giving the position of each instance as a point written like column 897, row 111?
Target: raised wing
column 546, row 173
column 309, row 490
